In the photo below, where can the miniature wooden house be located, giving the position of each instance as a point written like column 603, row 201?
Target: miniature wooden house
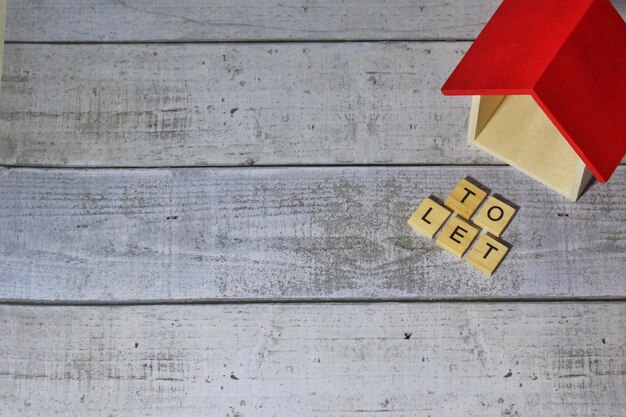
column 549, row 84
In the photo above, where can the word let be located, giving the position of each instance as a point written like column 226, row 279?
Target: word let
column 460, row 231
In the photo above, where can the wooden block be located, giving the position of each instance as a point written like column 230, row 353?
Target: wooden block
column 457, row 236
column 429, row 217
column 519, row 133
column 494, row 216
column 487, row 254
column 465, row 198
column 581, row 59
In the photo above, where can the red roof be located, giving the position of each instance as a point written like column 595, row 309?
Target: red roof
column 570, row 55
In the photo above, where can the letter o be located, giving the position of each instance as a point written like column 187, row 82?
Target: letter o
column 494, row 218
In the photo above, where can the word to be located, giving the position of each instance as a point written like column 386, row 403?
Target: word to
column 460, row 231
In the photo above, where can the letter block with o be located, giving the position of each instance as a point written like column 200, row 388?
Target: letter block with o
column 494, row 216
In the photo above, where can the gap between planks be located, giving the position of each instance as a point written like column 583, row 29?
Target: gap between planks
column 259, row 166
column 268, row 166
column 312, row 301
column 242, row 41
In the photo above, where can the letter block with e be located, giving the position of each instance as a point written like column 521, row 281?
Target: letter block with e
column 457, row 236
column 460, row 231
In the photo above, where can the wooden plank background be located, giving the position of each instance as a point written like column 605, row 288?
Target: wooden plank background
column 244, row 20
column 264, row 104
column 159, row 153
column 3, row 12
column 238, row 104
column 284, row 233
column 248, row 20
column 529, row 359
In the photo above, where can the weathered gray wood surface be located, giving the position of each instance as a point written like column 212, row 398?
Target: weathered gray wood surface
column 200, row 20
column 557, row 359
column 248, row 20
column 174, row 105
column 276, row 233
column 199, row 105
column 3, row 11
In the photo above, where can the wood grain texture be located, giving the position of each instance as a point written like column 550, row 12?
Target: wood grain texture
column 174, row 105
column 281, row 233
column 199, row 105
column 556, row 359
column 248, row 20
column 522, row 135
column 3, row 11
column 245, row 20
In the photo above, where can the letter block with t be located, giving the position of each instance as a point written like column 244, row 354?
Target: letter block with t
column 465, row 199
column 487, row 254
column 459, row 232
column 429, row 217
